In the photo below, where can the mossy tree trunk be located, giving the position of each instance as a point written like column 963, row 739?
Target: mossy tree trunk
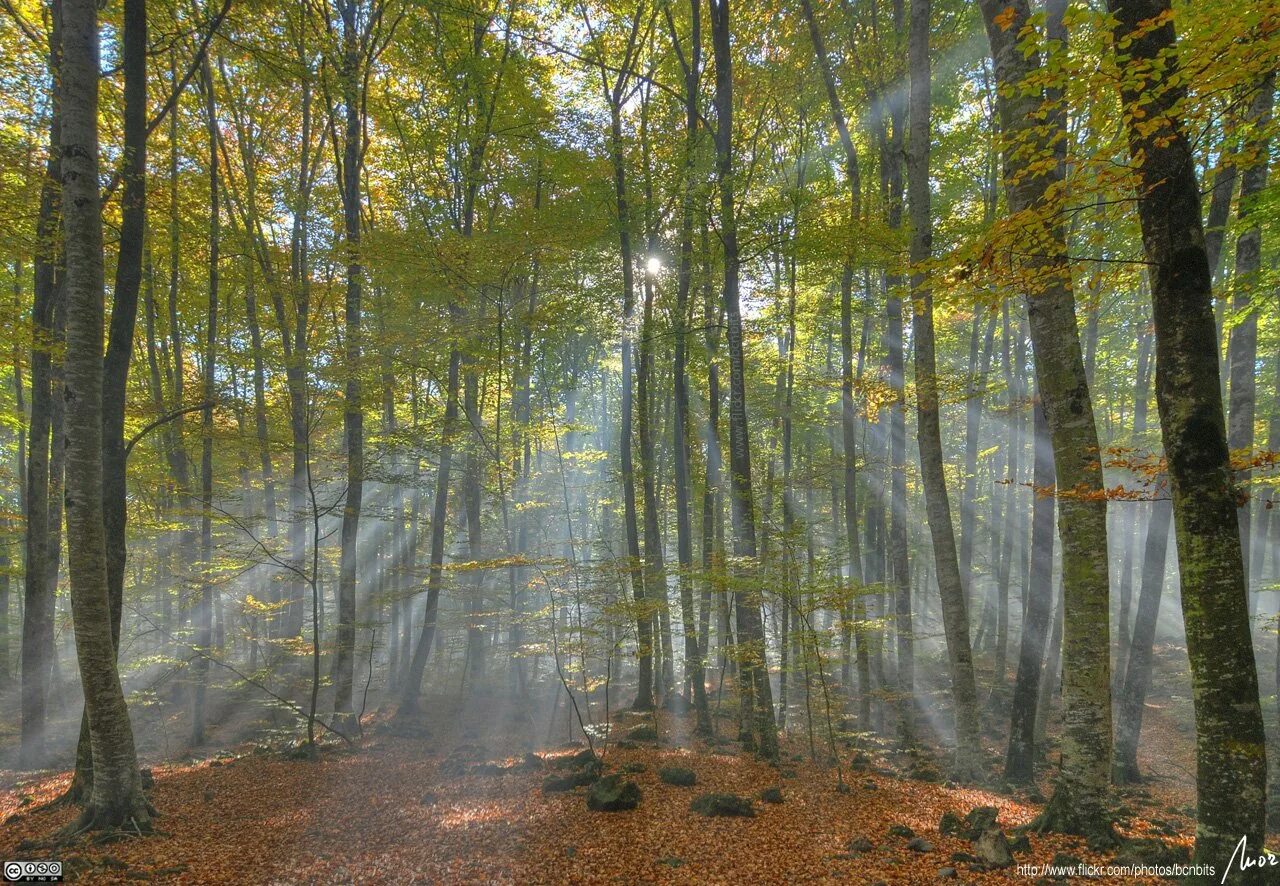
column 1079, row 804
column 1230, row 747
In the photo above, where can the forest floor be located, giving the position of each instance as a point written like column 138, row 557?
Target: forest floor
column 464, row 804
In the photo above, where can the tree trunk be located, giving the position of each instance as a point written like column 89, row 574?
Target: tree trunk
column 752, row 654
column 124, row 314
column 955, row 618
column 694, row 649
column 38, row 592
column 1230, row 746
column 1020, row 758
column 116, row 798
column 1242, row 350
column 204, row 607
column 1137, row 676
column 412, row 688
column 353, row 415
column 1079, row 804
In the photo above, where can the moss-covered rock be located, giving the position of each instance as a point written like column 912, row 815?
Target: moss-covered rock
column 576, row 778
column 642, row 732
column 680, row 776
column 979, row 820
column 613, row 794
column 723, row 805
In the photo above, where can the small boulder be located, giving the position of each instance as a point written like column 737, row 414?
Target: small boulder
column 993, row 849
column 553, row 784
column 642, row 732
column 723, row 805
column 634, row 768
column 771, row 795
column 901, row 830
column 584, row 757
column 919, row 844
column 949, row 824
column 1020, row 844
column 979, row 820
column 1064, row 860
column 946, row 873
column 921, row 771
column 680, row 776
column 613, row 794
column 860, row 845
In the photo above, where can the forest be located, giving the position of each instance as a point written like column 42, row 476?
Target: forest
column 645, row 441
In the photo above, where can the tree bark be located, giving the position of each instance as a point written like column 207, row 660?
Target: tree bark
column 694, row 650
column 1080, row 803
column 353, row 414
column 955, row 616
column 116, row 798
column 752, row 653
column 1230, row 747
column 204, row 606
column 1021, row 755
column 1242, row 348
column 38, row 592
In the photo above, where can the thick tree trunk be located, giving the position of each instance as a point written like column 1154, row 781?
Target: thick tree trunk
column 1230, row 747
column 1079, row 804
column 124, row 314
column 117, row 796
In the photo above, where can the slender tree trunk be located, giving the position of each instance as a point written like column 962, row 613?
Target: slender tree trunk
column 955, row 618
column 712, row 501
column 353, row 415
column 1020, row 758
column 38, row 592
column 1242, row 350
column 412, row 688
column 204, row 607
column 1231, row 765
column 752, row 654
column 694, row 646
column 1137, row 677
column 644, row 615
